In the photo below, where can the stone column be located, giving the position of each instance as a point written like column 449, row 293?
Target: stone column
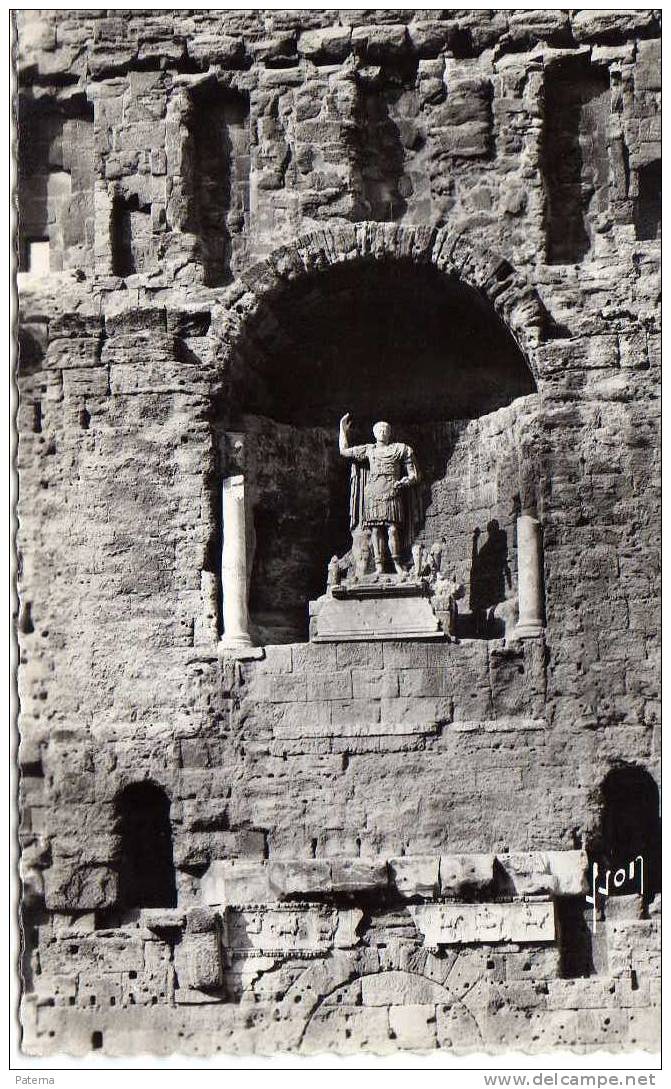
column 234, row 565
column 529, row 577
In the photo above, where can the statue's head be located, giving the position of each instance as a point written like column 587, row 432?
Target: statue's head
column 382, row 431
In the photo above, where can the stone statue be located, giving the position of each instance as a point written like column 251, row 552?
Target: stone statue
column 447, row 592
column 361, row 551
column 436, row 558
column 418, row 559
column 382, row 497
column 333, row 575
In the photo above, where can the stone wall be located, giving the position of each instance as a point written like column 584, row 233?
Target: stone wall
column 449, row 218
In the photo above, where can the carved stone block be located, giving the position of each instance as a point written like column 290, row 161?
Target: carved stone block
column 414, row 876
column 465, row 924
column 236, row 882
column 394, row 611
column 461, row 874
column 198, row 961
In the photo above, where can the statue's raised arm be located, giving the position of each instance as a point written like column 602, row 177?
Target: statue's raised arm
column 354, row 453
column 343, row 437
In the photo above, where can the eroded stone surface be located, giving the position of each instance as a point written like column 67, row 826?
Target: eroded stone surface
column 255, row 221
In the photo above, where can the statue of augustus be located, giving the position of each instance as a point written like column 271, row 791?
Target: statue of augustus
column 383, row 498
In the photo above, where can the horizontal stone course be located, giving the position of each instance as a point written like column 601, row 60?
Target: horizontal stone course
column 412, row 876
column 355, row 135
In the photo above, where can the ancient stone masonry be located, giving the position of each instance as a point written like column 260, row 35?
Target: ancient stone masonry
column 275, row 794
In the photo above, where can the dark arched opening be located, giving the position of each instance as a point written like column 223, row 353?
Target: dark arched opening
column 631, row 826
column 146, row 868
column 382, row 338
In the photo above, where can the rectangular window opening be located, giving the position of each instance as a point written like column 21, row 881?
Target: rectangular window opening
column 36, row 257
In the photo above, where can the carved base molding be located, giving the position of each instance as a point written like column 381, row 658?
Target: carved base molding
column 529, row 630
column 388, row 610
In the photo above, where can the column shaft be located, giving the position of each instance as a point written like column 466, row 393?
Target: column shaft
column 529, row 577
column 234, row 564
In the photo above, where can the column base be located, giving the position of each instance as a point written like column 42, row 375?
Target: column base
column 238, row 646
column 529, row 629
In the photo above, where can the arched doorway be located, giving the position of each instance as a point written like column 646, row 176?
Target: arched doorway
column 383, row 324
column 146, row 869
column 631, row 825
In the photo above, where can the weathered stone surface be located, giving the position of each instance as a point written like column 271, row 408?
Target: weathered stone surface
column 236, row 882
column 593, row 25
column 300, row 879
column 393, row 618
column 415, row 876
column 529, row 874
column 358, row 875
column 458, row 924
column 233, row 225
column 330, row 43
column 79, row 888
column 198, row 962
column 463, row 874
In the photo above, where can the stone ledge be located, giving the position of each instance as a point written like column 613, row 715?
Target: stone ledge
column 162, row 918
column 541, row 873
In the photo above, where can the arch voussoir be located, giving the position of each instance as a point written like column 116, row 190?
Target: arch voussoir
column 453, row 253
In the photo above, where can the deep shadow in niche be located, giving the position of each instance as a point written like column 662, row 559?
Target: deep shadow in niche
column 648, row 209
column 574, row 155
column 55, row 194
column 217, row 175
column 573, row 937
column 381, row 160
column 146, row 868
column 631, row 826
column 381, row 339
column 490, row 579
column 131, row 235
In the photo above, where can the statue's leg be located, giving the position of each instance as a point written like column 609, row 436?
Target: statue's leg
column 395, row 548
column 378, row 548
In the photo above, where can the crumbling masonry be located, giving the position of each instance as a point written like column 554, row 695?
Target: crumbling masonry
column 235, row 227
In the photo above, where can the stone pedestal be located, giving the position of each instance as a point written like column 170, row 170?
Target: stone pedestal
column 234, row 566
column 529, row 577
column 375, row 608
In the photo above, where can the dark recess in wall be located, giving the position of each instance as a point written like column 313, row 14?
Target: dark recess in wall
column 388, row 340
column 146, row 869
column 380, row 158
column 217, row 173
column 131, row 235
column 573, row 934
column 574, row 156
column 648, row 208
column 55, row 159
column 631, row 826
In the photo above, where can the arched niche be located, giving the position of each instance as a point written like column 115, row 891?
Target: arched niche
column 386, row 323
column 631, row 826
column 146, row 868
